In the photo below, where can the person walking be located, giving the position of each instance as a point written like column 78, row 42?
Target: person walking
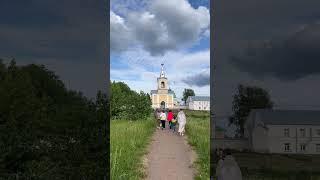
column 158, row 119
column 182, row 122
column 163, row 118
column 173, row 123
column 170, row 118
column 220, row 156
column 228, row 168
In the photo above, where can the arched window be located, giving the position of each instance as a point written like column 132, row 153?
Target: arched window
column 162, row 84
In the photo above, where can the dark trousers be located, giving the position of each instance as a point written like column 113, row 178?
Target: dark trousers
column 163, row 122
column 170, row 124
column 173, row 126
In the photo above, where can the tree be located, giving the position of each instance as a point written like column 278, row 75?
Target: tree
column 186, row 94
column 47, row 131
column 246, row 99
column 128, row 104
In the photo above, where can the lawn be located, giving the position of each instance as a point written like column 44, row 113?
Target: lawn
column 198, row 132
column 278, row 166
column 129, row 140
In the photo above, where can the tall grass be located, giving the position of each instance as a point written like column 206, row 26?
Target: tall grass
column 128, row 141
column 198, row 131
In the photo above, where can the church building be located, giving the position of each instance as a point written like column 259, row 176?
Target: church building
column 163, row 97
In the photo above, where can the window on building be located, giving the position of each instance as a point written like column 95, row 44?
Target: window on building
column 162, row 84
column 318, row 132
column 317, row 147
column 199, row 107
column 302, row 147
column 204, row 108
column 286, row 132
column 302, row 132
column 287, row 147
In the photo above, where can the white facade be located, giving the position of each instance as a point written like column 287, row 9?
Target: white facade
column 201, row 103
column 268, row 136
column 303, row 139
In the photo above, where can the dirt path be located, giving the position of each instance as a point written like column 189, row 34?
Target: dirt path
column 169, row 157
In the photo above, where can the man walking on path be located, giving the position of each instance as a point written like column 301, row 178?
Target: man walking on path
column 182, row 120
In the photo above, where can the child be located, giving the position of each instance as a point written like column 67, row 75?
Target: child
column 173, row 123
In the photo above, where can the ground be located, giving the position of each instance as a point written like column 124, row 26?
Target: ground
column 140, row 151
column 170, row 157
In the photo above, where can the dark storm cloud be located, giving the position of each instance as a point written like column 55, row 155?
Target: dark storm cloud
column 295, row 57
column 200, row 80
column 62, row 32
column 238, row 22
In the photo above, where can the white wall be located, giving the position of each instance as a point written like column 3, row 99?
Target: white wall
column 260, row 140
column 276, row 138
column 199, row 105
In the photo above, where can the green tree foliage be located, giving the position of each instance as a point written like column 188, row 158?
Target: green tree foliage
column 128, row 104
column 47, row 131
column 186, row 94
column 246, row 99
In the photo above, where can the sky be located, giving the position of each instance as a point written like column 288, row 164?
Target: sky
column 69, row 37
column 271, row 44
column 146, row 33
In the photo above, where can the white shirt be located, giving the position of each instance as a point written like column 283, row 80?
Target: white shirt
column 182, row 118
column 163, row 116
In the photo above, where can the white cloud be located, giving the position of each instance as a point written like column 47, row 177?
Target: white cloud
column 178, row 66
column 165, row 25
column 120, row 35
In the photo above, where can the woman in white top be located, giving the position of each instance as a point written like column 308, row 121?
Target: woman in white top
column 182, row 120
column 163, row 118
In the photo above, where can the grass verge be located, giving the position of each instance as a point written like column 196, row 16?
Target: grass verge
column 129, row 140
column 198, row 132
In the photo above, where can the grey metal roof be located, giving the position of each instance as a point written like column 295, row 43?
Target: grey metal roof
column 199, row 98
column 287, row 117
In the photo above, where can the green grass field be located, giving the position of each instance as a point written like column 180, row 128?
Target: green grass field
column 198, row 132
column 278, row 166
column 129, row 140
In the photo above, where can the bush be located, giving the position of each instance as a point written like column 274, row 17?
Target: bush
column 128, row 104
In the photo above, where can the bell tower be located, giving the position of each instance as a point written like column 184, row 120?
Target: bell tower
column 162, row 82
